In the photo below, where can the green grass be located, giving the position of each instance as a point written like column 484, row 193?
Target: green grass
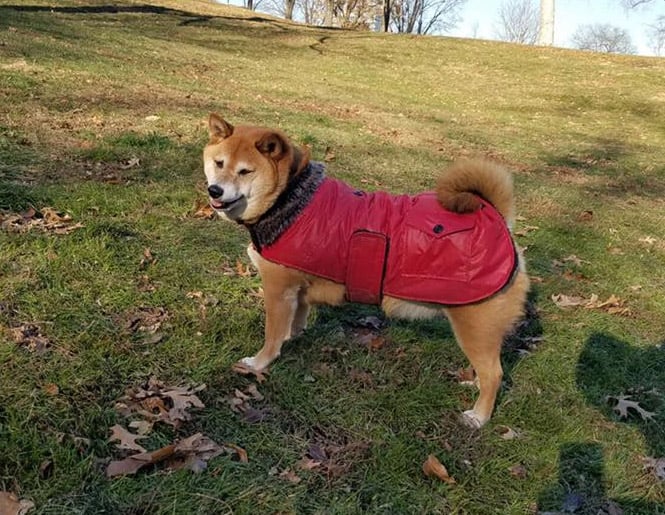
column 80, row 87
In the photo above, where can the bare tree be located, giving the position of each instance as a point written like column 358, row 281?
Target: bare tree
column 424, row 16
column 631, row 4
column 657, row 34
column 519, row 22
column 546, row 32
column 603, row 38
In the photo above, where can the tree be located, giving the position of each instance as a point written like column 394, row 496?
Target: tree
column 657, row 35
column 424, row 16
column 602, row 37
column 519, row 21
column 546, row 31
column 631, row 4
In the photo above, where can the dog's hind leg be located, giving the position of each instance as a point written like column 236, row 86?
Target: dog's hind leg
column 480, row 330
column 302, row 312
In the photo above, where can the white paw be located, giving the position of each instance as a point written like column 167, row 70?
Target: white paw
column 250, row 362
column 472, row 420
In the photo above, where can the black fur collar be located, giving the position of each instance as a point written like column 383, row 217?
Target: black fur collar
column 290, row 203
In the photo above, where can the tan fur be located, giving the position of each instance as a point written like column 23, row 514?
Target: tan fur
column 457, row 185
column 479, row 328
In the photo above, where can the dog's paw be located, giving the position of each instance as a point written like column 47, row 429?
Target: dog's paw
column 250, row 362
column 472, row 420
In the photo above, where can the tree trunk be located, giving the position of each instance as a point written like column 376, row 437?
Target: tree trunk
column 387, row 7
column 546, row 34
column 288, row 9
column 328, row 15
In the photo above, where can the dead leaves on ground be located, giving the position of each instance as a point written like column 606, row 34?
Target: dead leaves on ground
column 30, row 337
column 47, row 220
column 333, row 459
column 239, row 402
column 10, row 504
column 612, row 305
column 170, row 405
column 159, row 403
column 202, row 209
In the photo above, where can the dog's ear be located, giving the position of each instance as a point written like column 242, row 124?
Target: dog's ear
column 301, row 158
column 218, row 128
column 273, row 146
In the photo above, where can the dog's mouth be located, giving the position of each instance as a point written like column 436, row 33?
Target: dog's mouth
column 225, row 206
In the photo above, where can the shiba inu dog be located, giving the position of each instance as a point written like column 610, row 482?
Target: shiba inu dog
column 317, row 240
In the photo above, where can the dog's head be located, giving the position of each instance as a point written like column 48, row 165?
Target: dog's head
column 247, row 168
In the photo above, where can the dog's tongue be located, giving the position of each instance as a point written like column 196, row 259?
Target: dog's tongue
column 216, row 203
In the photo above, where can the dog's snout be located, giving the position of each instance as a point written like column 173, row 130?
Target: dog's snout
column 215, row 191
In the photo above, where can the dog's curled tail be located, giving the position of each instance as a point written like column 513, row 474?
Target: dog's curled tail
column 459, row 185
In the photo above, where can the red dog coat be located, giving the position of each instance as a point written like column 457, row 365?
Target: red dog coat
column 403, row 246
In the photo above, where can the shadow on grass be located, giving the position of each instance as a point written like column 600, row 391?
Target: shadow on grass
column 608, row 366
column 127, row 9
column 611, row 159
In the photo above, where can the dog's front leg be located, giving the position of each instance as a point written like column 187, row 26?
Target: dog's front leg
column 281, row 307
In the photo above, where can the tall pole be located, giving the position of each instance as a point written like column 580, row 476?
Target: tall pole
column 546, row 34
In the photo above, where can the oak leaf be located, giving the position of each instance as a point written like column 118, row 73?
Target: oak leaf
column 127, row 440
column 433, row 467
column 624, row 403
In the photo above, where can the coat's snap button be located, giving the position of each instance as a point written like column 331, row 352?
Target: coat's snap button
column 438, row 229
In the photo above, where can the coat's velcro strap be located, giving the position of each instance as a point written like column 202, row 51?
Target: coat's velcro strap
column 366, row 267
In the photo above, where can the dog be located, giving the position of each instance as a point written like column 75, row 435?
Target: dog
column 316, row 240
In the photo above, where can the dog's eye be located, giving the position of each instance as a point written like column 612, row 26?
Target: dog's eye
column 219, row 164
column 245, row 171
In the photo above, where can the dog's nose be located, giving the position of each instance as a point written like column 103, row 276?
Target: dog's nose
column 215, row 191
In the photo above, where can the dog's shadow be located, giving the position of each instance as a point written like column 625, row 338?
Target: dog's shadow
column 607, row 369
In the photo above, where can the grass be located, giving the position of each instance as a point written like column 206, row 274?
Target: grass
column 88, row 89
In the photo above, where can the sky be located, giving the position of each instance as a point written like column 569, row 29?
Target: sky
column 568, row 15
column 480, row 17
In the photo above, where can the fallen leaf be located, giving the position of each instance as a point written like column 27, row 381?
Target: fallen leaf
column 290, row 476
column 143, row 427
column 45, row 469
column 29, row 337
column 129, row 163
column 182, row 399
column 565, row 301
column 572, row 502
column 243, row 270
column 518, row 470
column 433, row 467
column 51, row 389
column 151, row 118
column 329, row 155
column 242, row 453
column 574, row 260
column 656, row 465
column 254, row 392
column 524, row 231
column 254, row 416
column 465, row 376
column 240, row 368
column 506, row 433
column 127, row 440
column 308, row 464
column 203, row 209
column 132, row 464
column 11, row 505
column 585, row 216
column 624, row 403
column 147, row 258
